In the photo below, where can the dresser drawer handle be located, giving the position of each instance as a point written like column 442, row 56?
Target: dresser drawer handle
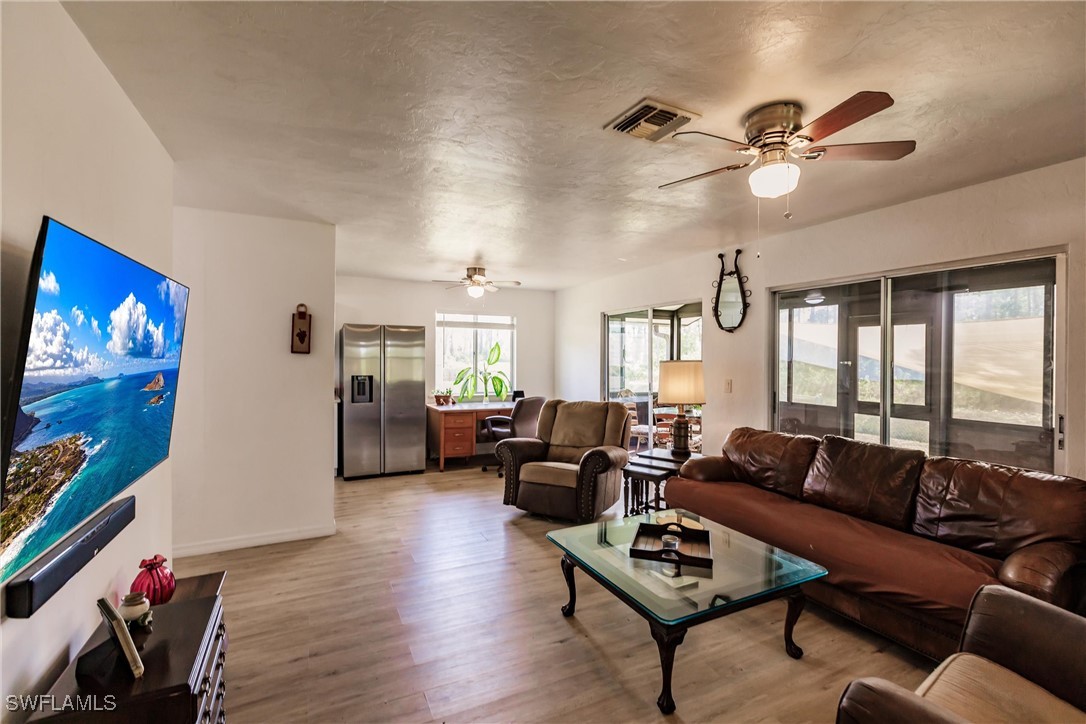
column 221, row 630
column 205, row 686
column 222, row 716
column 222, row 688
column 207, row 716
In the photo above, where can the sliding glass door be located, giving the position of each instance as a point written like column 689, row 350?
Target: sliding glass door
column 628, row 363
column 956, row 362
column 638, row 340
column 824, row 384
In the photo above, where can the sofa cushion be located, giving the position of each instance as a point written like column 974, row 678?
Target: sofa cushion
column 563, row 474
column 979, row 690
column 995, row 509
column 873, row 482
column 772, row 460
column 863, row 557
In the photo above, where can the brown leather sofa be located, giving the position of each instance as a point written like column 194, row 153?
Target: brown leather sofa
column 907, row 539
column 1020, row 660
column 572, row 469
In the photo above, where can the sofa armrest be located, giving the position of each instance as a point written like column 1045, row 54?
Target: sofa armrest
column 514, row 452
column 1034, row 639
column 1052, row 572
column 711, row 468
column 877, row 700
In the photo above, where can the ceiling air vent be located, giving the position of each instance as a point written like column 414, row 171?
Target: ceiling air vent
column 651, row 120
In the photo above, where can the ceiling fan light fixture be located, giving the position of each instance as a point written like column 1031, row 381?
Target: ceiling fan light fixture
column 815, row 296
column 775, row 177
column 475, row 291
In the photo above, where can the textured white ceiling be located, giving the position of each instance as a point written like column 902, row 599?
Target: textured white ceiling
column 435, row 135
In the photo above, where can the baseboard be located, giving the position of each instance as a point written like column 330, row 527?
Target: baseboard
column 251, row 541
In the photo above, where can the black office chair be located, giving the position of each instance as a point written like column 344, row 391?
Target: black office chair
column 522, row 423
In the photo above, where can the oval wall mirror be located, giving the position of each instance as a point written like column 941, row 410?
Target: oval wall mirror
column 730, row 303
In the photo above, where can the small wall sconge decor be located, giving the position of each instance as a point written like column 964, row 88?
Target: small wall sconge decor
column 300, row 332
column 730, row 302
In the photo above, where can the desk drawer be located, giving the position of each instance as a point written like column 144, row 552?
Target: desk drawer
column 463, row 419
column 458, row 448
column 458, row 434
column 483, row 414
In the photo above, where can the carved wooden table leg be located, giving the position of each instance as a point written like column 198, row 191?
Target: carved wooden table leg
column 667, row 640
column 625, row 496
column 795, row 608
column 567, row 571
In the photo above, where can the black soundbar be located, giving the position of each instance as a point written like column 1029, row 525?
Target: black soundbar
column 37, row 583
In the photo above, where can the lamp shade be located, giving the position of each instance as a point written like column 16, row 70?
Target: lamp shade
column 682, row 382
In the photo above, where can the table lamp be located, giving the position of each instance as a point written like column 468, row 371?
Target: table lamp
column 682, row 382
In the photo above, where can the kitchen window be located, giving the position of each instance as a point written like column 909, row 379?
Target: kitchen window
column 465, row 340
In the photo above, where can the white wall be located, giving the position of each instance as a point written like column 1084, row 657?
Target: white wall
column 384, row 301
column 255, row 429
column 1035, row 210
column 76, row 149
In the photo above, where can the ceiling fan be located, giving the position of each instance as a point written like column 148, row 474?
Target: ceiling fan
column 775, row 135
column 476, row 283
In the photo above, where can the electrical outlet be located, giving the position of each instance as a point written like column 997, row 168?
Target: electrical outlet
column 727, row 387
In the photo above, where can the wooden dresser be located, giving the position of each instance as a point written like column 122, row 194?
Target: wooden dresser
column 184, row 660
column 452, row 430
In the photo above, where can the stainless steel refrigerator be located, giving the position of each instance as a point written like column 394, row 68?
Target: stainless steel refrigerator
column 382, row 392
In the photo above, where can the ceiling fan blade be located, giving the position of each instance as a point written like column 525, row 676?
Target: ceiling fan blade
column 490, row 287
column 506, row 283
column 854, row 110
column 708, row 139
column 707, row 174
column 883, row 151
column 455, row 286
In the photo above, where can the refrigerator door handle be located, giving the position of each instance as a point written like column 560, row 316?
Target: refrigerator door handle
column 361, row 388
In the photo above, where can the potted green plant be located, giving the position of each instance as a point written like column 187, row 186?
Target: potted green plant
column 496, row 381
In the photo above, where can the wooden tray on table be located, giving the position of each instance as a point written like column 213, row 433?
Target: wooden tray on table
column 694, row 547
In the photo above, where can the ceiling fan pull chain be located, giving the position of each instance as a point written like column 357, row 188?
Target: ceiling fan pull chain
column 759, row 218
column 788, row 205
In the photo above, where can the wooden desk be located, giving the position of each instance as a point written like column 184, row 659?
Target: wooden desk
column 451, row 430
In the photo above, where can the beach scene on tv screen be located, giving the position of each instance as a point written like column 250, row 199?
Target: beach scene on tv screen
column 97, row 398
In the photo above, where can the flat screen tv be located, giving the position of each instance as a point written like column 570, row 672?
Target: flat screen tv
column 91, row 405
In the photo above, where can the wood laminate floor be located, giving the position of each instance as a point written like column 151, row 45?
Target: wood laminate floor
column 436, row 602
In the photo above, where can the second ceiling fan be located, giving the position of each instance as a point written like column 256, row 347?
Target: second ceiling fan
column 775, row 135
column 476, row 282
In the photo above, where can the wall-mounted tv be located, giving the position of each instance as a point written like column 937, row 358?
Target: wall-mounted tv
column 94, row 385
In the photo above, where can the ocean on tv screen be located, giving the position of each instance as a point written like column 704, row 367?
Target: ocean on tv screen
column 99, row 385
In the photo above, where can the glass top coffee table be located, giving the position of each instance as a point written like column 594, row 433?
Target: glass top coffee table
column 746, row 572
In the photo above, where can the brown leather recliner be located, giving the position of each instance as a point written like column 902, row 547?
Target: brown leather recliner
column 573, row 468
column 1020, row 659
